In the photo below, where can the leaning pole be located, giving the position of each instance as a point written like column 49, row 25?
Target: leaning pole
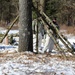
column 9, row 29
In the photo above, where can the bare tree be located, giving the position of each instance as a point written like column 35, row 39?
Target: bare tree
column 25, row 26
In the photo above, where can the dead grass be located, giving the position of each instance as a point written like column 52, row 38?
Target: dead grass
column 34, row 57
column 7, row 26
column 69, row 29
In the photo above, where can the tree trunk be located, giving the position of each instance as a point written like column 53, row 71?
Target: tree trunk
column 25, row 26
column 70, row 20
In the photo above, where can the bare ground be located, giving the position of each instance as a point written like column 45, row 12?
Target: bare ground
column 69, row 29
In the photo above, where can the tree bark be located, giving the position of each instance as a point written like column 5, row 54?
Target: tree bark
column 25, row 26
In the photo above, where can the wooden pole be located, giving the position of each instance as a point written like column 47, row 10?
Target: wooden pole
column 9, row 29
column 37, row 31
column 57, row 32
column 48, row 22
column 55, row 42
column 66, row 40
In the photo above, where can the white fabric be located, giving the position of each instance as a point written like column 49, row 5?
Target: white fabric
column 39, row 40
column 49, row 44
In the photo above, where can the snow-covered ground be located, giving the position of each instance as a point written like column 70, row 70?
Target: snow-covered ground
column 13, row 63
column 10, row 32
column 31, row 64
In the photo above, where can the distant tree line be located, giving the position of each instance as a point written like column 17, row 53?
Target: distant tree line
column 62, row 9
column 8, row 10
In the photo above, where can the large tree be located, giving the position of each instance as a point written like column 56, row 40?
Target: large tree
column 25, row 26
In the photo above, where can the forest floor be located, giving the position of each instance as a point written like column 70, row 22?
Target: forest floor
column 27, row 63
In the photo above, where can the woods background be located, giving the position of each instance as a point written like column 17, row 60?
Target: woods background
column 62, row 9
